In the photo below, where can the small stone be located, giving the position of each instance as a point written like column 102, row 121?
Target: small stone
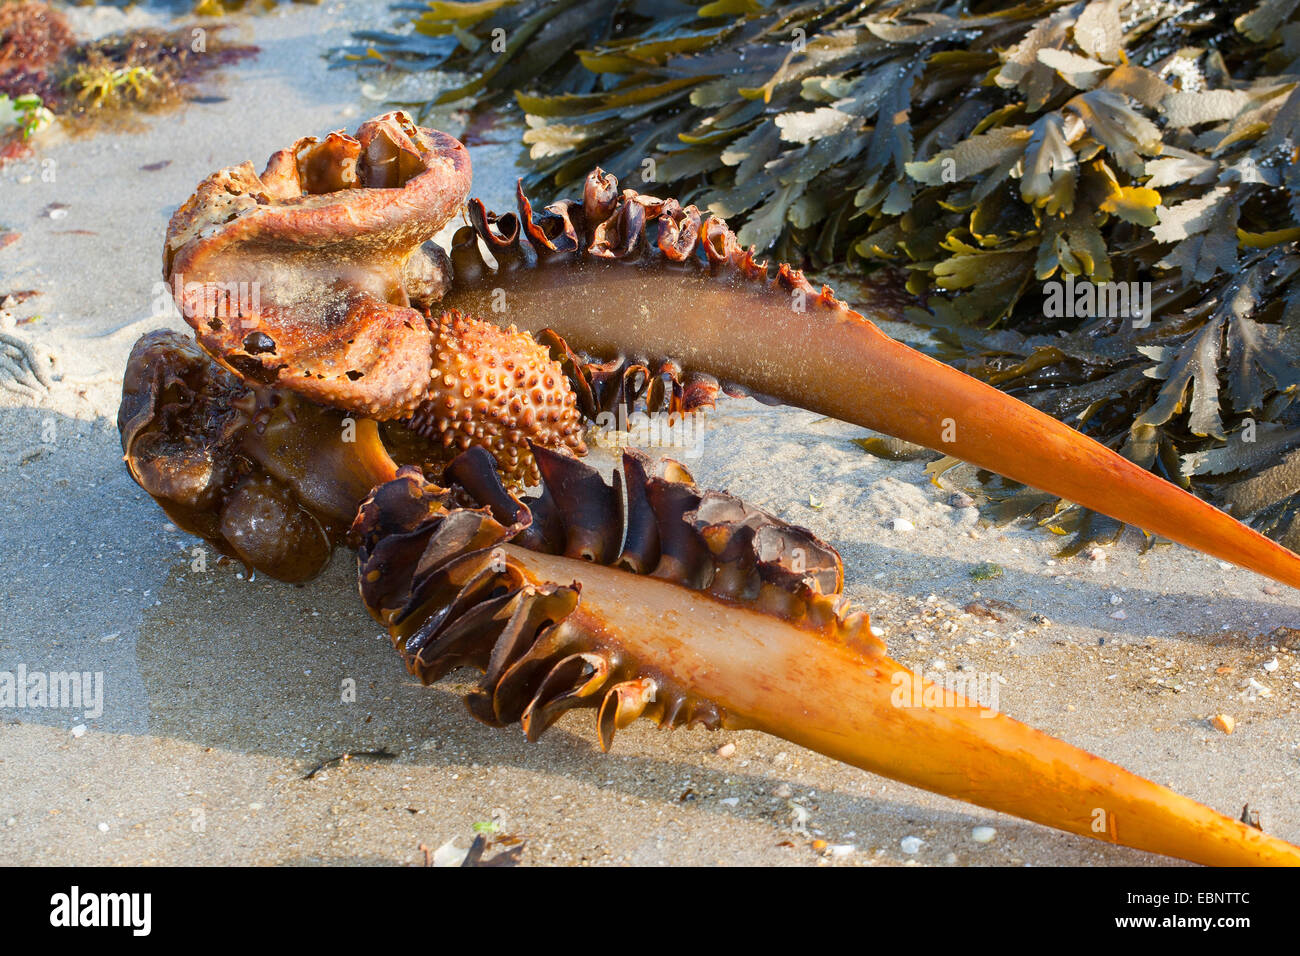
column 103, row 828
column 1272, row 590
column 1096, row 554
column 1224, row 722
column 819, row 845
column 1119, row 615
column 961, row 500
column 841, row 850
column 1116, row 600
column 1271, row 666
column 726, row 750
column 902, row 524
column 79, row 730
column 983, row 834
column 1225, row 566
column 729, row 801
column 783, row 791
column 911, row 844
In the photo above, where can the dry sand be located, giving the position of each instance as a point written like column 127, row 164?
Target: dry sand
column 221, row 694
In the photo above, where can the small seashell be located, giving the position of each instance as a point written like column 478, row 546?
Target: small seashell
column 449, row 854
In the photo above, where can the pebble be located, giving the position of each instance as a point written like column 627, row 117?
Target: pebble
column 1119, row 615
column 726, row 750
column 1271, row 666
column 983, row 834
column 783, row 791
column 1272, row 589
column 1096, row 554
column 961, row 500
column 79, row 730
column 103, row 828
column 1116, row 600
column 841, row 850
column 902, row 524
column 1224, row 722
column 911, row 844
column 729, row 801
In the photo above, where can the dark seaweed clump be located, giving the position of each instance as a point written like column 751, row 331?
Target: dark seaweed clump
column 136, row 70
column 983, row 151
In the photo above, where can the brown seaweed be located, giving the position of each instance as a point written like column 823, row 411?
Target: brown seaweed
column 689, row 607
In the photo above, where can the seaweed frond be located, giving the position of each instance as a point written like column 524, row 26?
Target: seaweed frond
column 996, row 156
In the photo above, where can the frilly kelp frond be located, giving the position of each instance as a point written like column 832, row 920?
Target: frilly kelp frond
column 981, row 149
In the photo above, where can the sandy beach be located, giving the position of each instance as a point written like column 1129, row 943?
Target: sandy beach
column 222, row 715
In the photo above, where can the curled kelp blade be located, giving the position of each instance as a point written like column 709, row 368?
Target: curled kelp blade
column 626, row 274
column 264, row 475
column 690, row 607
